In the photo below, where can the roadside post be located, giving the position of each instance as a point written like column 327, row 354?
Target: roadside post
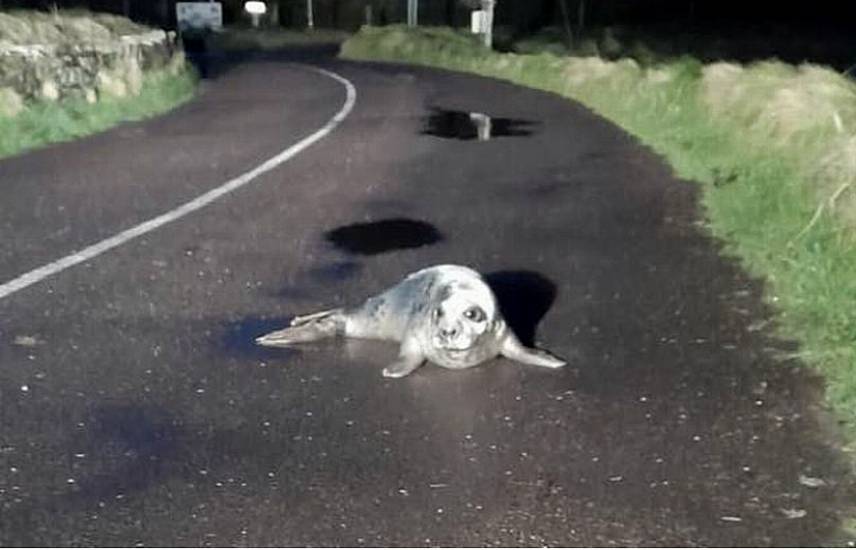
column 481, row 22
column 412, row 13
column 196, row 21
column 487, row 8
column 310, row 18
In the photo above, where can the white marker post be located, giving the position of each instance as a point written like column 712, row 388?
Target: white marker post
column 481, row 21
column 412, row 13
column 487, row 8
column 310, row 19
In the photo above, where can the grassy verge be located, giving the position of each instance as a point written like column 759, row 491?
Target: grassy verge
column 774, row 146
column 47, row 122
column 248, row 39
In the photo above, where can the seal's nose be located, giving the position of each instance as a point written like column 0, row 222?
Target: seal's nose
column 449, row 332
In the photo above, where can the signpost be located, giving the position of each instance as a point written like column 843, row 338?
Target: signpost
column 256, row 9
column 199, row 16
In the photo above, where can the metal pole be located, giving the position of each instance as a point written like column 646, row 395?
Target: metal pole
column 310, row 20
column 566, row 19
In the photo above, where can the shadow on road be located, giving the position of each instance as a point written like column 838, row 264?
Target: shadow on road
column 524, row 298
column 212, row 61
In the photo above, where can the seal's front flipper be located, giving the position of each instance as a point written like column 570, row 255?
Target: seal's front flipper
column 409, row 359
column 403, row 366
column 514, row 350
column 307, row 328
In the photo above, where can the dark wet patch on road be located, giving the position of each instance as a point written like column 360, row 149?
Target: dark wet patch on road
column 127, row 449
column 294, row 292
column 334, row 272
column 239, row 338
column 319, row 278
column 463, row 125
column 382, row 236
column 141, row 431
column 524, row 298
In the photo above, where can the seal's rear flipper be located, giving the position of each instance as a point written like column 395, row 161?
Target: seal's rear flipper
column 306, row 328
column 514, row 350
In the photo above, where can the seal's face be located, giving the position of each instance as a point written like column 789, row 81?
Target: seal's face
column 461, row 317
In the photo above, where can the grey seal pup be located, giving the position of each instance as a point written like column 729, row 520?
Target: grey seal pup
column 445, row 314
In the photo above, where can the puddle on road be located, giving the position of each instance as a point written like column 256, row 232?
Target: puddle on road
column 239, row 338
column 464, row 125
column 383, row 236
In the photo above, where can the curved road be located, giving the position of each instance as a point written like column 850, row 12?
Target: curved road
column 135, row 409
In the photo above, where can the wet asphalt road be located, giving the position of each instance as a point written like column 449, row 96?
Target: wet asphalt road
column 135, row 409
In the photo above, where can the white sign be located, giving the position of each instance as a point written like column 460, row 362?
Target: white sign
column 199, row 15
column 255, row 8
column 478, row 22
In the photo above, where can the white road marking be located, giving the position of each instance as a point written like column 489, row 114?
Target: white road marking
column 32, row 277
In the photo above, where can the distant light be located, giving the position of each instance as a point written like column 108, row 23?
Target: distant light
column 255, row 8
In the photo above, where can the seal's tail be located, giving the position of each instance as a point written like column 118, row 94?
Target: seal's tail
column 306, row 328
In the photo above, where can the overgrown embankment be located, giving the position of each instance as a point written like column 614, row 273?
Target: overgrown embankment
column 272, row 39
column 773, row 144
column 68, row 74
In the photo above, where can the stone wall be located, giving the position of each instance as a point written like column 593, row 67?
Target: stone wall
column 61, row 71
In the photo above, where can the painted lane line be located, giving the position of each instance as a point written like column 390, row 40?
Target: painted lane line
column 32, row 277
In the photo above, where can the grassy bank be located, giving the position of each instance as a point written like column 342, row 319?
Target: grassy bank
column 44, row 122
column 774, row 146
column 249, row 39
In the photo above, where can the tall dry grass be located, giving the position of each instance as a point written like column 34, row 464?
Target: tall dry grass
column 807, row 112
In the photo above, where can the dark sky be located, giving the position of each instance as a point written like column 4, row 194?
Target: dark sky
column 832, row 11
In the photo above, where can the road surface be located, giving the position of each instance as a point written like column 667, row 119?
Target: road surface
column 135, row 409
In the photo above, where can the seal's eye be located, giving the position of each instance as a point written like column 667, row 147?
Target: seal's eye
column 438, row 313
column 474, row 314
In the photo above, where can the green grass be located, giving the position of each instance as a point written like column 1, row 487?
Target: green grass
column 49, row 122
column 769, row 143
